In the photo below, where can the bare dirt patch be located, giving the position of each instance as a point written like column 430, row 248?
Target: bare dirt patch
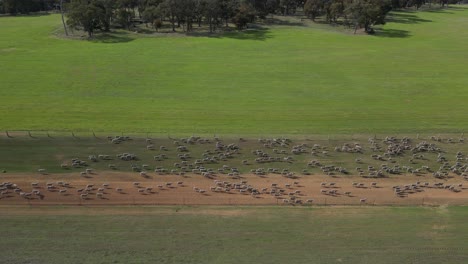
column 165, row 190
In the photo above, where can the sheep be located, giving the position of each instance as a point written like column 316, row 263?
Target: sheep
column 84, row 196
column 363, row 200
column 101, row 190
column 309, row 200
column 41, row 171
column 105, row 185
column 99, row 195
column 136, row 184
column 63, row 191
column 83, row 173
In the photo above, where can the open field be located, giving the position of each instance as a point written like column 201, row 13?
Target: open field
column 282, row 79
column 233, row 235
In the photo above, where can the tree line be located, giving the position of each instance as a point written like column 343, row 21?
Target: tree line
column 14, row 7
column 102, row 15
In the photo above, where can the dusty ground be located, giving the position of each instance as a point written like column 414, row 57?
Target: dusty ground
column 184, row 194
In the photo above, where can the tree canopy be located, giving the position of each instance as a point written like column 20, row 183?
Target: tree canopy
column 93, row 15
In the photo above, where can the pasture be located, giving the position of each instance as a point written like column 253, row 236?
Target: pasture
column 289, row 78
column 181, row 234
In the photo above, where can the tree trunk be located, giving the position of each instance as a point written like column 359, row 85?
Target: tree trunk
column 63, row 20
column 173, row 23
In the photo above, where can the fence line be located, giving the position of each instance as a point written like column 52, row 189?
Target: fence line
column 328, row 136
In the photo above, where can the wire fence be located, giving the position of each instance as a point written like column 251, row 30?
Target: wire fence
column 37, row 134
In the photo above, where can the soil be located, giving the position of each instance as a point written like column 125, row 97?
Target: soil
column 184, row 194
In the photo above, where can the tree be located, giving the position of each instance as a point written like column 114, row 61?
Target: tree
column 169, row 9
column 150, row 14
column 63, row 20
column 367, row 13
column 212, row 14
column 313, row 8
column 87, row 14
column 244, row 14
column 227, row 9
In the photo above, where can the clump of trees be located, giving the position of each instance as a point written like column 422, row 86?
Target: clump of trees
column 101, row 15
column 15, row 7
column 92, row 15
column 361, row 13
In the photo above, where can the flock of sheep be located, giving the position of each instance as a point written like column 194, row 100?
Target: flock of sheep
column 270, row 156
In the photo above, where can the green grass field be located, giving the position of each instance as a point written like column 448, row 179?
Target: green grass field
column 233, row 235
column 411, row 77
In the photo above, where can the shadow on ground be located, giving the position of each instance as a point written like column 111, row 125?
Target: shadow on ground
column 254, row 33
column 282, row 22
column 406, row 18
column 391, row 33
column 113, row 37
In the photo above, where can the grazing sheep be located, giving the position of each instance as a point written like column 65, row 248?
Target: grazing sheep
column 119, row 190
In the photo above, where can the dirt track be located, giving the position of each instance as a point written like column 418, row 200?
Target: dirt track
column 309, row 187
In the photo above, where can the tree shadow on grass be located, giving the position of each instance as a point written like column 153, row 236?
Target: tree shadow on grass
column 391, row 33
column 282, row 22
column 260, row 34
column 256, row 33
column 406, row 18
column 110, row 38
